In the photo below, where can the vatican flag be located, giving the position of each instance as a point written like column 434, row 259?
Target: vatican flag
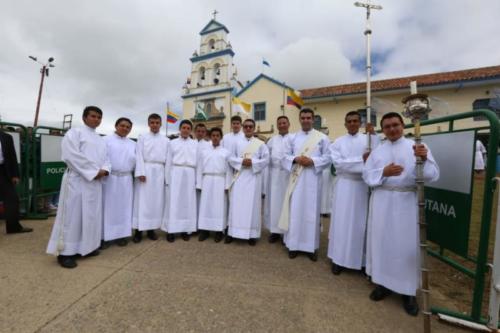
column 241, row 107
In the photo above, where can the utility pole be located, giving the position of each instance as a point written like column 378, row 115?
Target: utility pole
column 44, row 71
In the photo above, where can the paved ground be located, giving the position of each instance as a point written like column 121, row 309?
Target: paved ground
column 188, row 287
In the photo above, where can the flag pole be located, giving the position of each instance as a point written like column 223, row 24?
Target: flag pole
column 284, row 99
column 166, row 128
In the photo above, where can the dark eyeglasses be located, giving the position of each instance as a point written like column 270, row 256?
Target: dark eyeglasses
column 247, row 126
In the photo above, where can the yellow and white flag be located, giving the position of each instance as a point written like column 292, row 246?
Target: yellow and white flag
column 241, row 107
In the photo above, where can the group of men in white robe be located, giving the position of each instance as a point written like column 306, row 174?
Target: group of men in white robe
column 185, row 185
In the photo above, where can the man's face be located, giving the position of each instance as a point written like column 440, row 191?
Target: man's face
column 185, row 130
column 154, row 125
column 216, row 137
column 123, row 128
column 236, row 126
column 93, row 119
column 283, row 126
column 248, row 128
column 200, row 133
column 392, row 128
column 352, row 124
column 306, row 121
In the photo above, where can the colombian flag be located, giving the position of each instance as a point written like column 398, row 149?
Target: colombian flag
column 294, row 99
column 171, row 116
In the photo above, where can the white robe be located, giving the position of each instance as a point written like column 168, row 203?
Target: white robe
column 149, row 197
column 479, row 156
column 392, row 256
column 202, row 145
column 181, row 179
column 78, row 225
column 119, row 188
column 245, row 202
column 230, row 141
column 213, row 177
column 349, row 205
column 326, row 191
column 276, row 183
column 304, row 225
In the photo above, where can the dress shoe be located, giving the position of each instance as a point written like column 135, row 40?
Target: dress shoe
column 152, row 235
column 67, row 261
column 252, row 241
column 170, row 238
column 228, row 239
column 20, row 231
column 379, row 293
column 410, row 305
column 293, row 254
column 336, row 269
column 185, row 236
column 273, row 238
column 122, row 242
column 218, row 236
column 203, row 235
column 313, row 256
column 137, row 236
column 104, row 245
column 94, row 253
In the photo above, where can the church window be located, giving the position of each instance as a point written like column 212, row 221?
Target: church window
column 208, row 108
column 259, row 111
column 202, row 73
column 373, row 116
column 216, row 73
column 492, row 104
column 317, row 122
column 211, row 45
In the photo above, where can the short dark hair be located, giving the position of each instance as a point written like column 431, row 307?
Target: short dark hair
column 306, row 110
column 250, row 120
column 216, row 129
column 154, row 116
column 90, row 108
column 352, row 113
column 282, row 117
column 200, row 125
column 186, row 121
column 236, row 118
column 119, row 120
column 391, row 115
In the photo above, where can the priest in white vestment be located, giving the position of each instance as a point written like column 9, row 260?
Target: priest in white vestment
column 201, row 136
column 249, row 159
column 181, row 179
column 150, row 188
column 119, row 186
column 213, row 177
column 276, row 179
column 349, row 205
column 393, row 236
column 230, row 140
column 306, row 156
column 78, row 226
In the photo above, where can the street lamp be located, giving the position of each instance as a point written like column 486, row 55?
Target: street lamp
column 44, row 71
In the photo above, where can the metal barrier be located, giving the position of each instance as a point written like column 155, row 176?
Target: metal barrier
column 481, row 259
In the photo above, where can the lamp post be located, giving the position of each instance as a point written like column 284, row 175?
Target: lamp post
column 44, row 71
column 368, row 33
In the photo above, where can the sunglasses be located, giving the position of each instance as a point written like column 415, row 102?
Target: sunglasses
column 247, row 126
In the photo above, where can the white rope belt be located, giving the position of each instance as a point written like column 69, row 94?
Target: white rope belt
column 350, row 176
column 397, row 188
column 154, row 162
column 121, row 173
column 184, row 165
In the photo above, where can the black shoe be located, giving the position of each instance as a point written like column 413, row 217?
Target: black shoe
column 410, row 305
column 67, row 261
column 336, row 269
column 293, row 254
column 104, row 245
column 170, row 238
column 185, row 236
column 379, row 293
column 273, row 238
column 94, row 253
column 203, row 235
column 228, row 239
column 218, row 236
column 313, row 256
column 122, row 242
column 137, row 236
column 20, row 231
column 152, row 235
column 252, row 241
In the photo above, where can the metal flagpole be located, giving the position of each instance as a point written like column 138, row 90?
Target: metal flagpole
column 416, row 107
column 166, row 125
column 368, row 33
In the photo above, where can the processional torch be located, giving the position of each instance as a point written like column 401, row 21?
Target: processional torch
column 416, row 108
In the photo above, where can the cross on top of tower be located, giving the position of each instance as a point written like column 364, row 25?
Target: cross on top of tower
column 214, row 13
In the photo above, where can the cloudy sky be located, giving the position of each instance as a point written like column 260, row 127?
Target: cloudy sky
column 131, row 57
